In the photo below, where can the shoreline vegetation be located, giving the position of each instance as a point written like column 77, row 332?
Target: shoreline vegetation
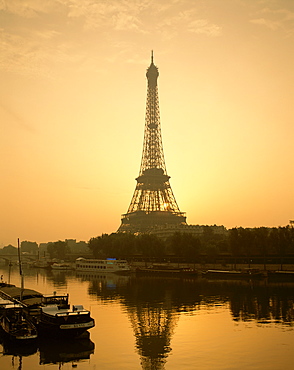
column 234, row 248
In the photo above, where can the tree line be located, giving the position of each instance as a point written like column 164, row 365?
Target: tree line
column 262, row 242
column 239, row 243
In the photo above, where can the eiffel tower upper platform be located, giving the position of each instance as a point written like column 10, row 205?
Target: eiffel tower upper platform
column 153, row 203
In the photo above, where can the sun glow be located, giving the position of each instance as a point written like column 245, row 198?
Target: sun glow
column 72, row 120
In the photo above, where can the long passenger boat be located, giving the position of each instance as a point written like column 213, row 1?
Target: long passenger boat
column 51, row 314
column 102, row 265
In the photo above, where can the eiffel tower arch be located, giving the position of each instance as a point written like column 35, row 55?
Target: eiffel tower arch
column 153, row 203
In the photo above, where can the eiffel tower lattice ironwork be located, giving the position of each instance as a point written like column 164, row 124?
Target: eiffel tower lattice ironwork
column 153, row 203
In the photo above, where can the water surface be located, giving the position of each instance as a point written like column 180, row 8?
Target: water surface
column 164, row 323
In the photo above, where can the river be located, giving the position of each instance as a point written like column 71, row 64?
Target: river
column 164, row 323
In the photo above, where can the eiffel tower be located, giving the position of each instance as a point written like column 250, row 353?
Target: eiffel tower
column 153, row 203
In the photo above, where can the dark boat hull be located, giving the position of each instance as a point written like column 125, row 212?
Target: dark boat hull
column 284, row 276
column 58, row 329
column 175, row 272
column 230, row 274
column 23, row 333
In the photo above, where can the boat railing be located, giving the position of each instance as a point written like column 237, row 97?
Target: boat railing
column 61, row 300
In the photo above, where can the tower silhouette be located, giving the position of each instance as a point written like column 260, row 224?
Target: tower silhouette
column 153, row 203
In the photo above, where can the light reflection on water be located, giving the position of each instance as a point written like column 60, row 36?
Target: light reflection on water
column 155, row 323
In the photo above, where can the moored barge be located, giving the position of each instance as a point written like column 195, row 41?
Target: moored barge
column 51, row 314
column 233, row 274
column 166, row 270
column 15, row 325
column 281, row 275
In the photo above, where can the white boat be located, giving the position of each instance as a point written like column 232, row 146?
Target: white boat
column 40, row 264
column 99, row 265
column 62, row 266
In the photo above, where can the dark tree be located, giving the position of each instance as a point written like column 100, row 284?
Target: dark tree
column 8, row 249
column 234, row 244
column 246, row 243
column 58, row 250
column 184, row 245
column 29, row 247
column 150, row 245
column 261, row 243
column 116, row 245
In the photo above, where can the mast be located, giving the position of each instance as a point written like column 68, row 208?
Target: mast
column 20, row 270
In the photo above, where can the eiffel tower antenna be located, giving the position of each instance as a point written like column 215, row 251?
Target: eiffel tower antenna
column 153, row 203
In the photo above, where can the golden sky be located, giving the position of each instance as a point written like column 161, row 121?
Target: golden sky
column 72, row 110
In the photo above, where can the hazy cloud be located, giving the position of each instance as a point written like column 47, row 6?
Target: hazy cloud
column 203, row 26
column 29, row 54
column 119, row 15
column 10, row 115
column 275, row 19
column 134, row 15
column 273, row 25
column 38, row 34
column 189, row 21
column 28, row 8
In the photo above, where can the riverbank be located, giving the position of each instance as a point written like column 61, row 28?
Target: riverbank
column 219, row 266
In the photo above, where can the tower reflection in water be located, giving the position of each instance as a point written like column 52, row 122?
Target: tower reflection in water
column 153, row 317
column 154, row 305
